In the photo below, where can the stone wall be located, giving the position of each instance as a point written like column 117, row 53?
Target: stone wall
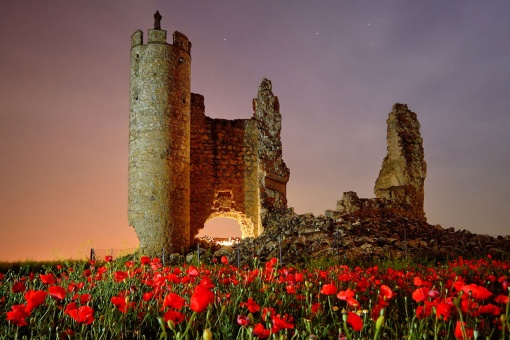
column 224, row 169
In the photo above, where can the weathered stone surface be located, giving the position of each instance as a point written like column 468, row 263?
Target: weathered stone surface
column 403, row 172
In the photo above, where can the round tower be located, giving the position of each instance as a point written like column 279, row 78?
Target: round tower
column 159, row 141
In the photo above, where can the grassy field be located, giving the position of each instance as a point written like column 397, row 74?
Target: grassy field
column 142, row 299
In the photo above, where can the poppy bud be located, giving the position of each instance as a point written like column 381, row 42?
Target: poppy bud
column 207, row 334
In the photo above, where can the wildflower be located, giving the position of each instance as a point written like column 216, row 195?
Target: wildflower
column 224, row 260
column 84, row 298
column 386, row 293
column 108, row 258
column 147, row 296
column 121, row 303
column 119, row 276
column 201, row 298
column 48, row 279
column 279, row 322
column 18, row 287
column 503, row 299
column 57, row 292
column 344, row 294
column 35, row 298
column 460, row 329
column 175, row 316
column 420, row 294
column 17, row 315
column 488, row 309
column 443, row 310
column 192, row 271
column 145, row 260
column 174, row 301
column 260, row 331
column 354, row 321
column 82, row 314
column 252, row 306
column 477, row 292
column 328, row 289
column 243, row 320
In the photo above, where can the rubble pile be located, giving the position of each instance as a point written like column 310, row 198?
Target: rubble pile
column 369, row 235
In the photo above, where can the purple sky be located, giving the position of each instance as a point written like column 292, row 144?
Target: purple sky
column 336, row 66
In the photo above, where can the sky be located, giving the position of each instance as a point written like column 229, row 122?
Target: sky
column 337, row 67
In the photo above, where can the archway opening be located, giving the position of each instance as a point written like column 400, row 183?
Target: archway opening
column 221, row 229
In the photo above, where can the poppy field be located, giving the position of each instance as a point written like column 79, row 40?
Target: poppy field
column 142, row 299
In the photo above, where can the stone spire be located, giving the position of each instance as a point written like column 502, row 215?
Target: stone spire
column 401, row 179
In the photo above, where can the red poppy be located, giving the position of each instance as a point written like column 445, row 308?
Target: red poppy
column 488, row 309
column 17, row 315
column 460, row 328
column 145, row 260
column 352, row 302
column 35, row 298
column 201, row 298
column 503, row 299
column 174, row 301
column 420, row 294
column 147, row 296
column 279, row 322
column 443, row 310
column 108, row 258
column 260, row 331
column 477, row 292
column 224, row 259
column 291, row 289
column 252, row 306
column 121, row 303
column 82, row 314
column 48, row 279
column 192, row 271
column 84, row 298
column 386, row 292
column 344, row 294
column 243, row 320
column 119, row 276
column 57, row 292
column 18, row 287
column 354, row 321
column 328, row 289
column 315, row 307
column 176, row 317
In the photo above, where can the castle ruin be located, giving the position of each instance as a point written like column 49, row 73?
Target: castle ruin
column 186, row 168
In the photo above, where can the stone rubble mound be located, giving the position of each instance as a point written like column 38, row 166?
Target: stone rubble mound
column 363, row 236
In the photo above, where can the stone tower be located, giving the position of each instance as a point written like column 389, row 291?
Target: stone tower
column 159, row 140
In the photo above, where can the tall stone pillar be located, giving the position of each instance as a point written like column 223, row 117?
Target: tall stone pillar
column 402, row 176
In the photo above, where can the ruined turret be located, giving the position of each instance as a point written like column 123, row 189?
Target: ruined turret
column 402, row 176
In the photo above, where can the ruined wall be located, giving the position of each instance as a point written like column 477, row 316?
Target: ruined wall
column 403, row 171
column 224, row 169
column 273, row 173
column 400, row 185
